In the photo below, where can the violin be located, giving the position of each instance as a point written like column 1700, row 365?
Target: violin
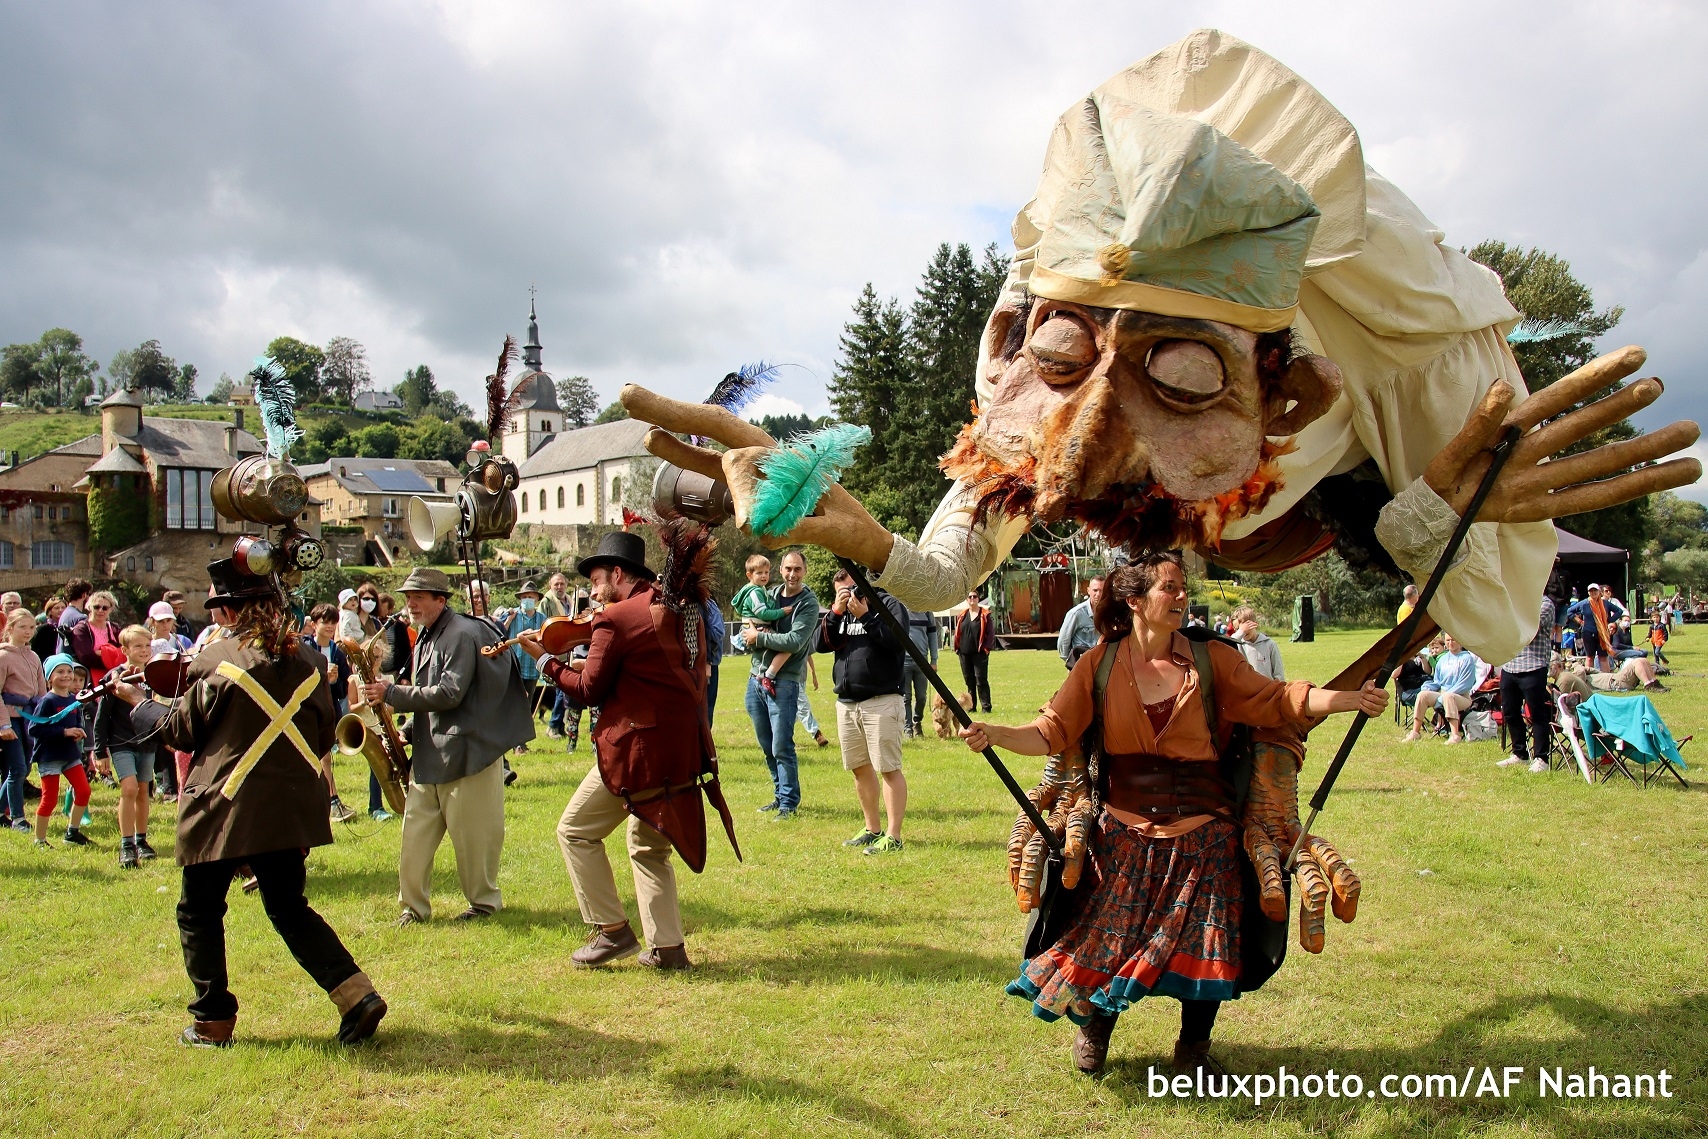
column 558, row 635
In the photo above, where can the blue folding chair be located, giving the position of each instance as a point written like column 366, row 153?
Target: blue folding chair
column 1623, row 730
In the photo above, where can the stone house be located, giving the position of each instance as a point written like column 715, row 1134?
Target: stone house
column 372, row 496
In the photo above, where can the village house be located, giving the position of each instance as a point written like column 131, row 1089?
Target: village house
column 373, row 495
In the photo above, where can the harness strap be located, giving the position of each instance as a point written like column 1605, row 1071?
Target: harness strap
column 282, row 723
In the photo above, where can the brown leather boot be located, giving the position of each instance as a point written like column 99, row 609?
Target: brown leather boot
column 667, row 957
column 209, row 1033
column 1091, row 1043
column 1188, row 1058
column 603, row 948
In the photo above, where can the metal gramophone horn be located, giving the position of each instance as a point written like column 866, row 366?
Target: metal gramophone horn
column 691, row 495
column 429, row 522
column 261, row 489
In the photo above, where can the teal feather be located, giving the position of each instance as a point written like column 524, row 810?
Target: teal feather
column 1537, row 331
column 276, row 400
column 796, row 475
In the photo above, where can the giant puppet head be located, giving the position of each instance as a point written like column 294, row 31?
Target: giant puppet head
column 1140, row 373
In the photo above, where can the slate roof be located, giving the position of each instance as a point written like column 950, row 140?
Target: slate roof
column 388, row 476
column 118, row 461
column 587, row 447
column 191, row 442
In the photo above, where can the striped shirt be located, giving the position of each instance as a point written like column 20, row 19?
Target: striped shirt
column 1534, row 656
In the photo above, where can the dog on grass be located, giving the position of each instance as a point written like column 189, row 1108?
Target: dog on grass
column 942, row 720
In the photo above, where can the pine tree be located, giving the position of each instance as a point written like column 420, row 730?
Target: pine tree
column 868, row 383
column 1541, row 286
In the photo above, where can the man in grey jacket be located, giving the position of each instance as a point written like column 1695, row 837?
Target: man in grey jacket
column 1079, row 627
column 773, row 716
column 469, row 711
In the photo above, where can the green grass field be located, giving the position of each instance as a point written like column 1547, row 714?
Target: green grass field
column 30, row 433
column 1507, row 919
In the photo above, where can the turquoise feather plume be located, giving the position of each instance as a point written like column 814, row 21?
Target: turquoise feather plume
column 796, row 475
column 276, row 399
column 1537, row 331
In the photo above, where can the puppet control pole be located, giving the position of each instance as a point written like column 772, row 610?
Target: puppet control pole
column 870, row 597
column 1502, row 451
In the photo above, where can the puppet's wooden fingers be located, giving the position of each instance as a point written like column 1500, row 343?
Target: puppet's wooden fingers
column 685, row 455
column 684, row 418
column 1612, row 458
column 1575, row 387
column 1313, row 903
column 1266, row 861
column 1568, row 429
column 1541, row 506
column 1455, row 472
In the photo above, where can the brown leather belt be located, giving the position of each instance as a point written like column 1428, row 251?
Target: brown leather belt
column 1164, row 790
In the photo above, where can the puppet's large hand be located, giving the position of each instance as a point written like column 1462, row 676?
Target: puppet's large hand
column 1063, row 797
column 1532, row 487
column 840, row 524
column 1271, row 826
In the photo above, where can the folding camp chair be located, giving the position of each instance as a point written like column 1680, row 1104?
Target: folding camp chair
column 1611, row 753
column 1566, row 705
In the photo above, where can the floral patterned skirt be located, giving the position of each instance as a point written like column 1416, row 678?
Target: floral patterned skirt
column 1162, row 919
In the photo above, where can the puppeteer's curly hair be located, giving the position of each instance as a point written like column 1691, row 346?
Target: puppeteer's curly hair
column 1135, row 579
column 265, row 623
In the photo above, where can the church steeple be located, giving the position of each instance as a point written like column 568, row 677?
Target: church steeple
column 531, row 350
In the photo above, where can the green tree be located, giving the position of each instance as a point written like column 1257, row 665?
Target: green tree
column 416, row 390
column 185, row 390
column 866, row 388
column 782, row 427
column 221, row 392
column 63, row 362
column 447, row 406
column 613, row 412
column 1541, row 286
column 1688, row 568
column 579, row 401
column 18, row 375
column 302, row 363
column 432, row 438
column 378, row 441
column 146, row 369
column 344, row 371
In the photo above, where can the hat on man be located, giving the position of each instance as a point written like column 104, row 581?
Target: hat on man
column 161, row 611
column 231, row 585
column 621, row 549
column 426, row 579
column 528, row 589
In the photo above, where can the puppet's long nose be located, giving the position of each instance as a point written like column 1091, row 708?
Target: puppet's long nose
column 1079, row 456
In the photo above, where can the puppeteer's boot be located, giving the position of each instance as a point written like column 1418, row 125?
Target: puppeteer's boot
column 1188, row 1058
column 360, row 1009
column 1091, row 1043
column 209, row 1033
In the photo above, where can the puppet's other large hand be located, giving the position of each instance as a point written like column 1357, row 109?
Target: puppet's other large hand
column 1271, row 826
column 1533, row 486
column 840, row 524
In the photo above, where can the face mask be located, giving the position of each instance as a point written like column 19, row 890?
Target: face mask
column 369, row 604
column 527, row 604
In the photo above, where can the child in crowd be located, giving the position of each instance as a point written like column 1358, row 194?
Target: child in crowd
column 56, row 747
column 324, row 622
column 164, row 636
column 1658, row 636
column 130, row 759
column 350, row 616
column 23, row 683
column 752, row 606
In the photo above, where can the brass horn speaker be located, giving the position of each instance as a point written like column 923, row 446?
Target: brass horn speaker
column 691, row 495
column 354, row 737
column 430, row 521
column 259, row 488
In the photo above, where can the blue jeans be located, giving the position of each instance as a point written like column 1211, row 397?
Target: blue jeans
column 805, row 716
column 774, row 724
column 16, row 766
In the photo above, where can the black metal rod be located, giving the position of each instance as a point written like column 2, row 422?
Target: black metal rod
column 1502, row 451
column 873, row 601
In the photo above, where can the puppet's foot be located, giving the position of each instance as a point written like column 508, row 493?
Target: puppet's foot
column 1091, row 1043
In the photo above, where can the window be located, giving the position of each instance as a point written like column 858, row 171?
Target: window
column 8, row 554
column 616, row 489
column 388, row 508
column 38, row 512
column 524, row 498
column 189, row 499
column 580, row 494
column 148, row 564
column 130, row 564
column 51, row 555
column 52, row 513
column 542, row 498
column 560, row 498
column 546, row 426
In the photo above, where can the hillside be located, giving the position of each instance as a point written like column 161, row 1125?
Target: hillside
column 33, row 432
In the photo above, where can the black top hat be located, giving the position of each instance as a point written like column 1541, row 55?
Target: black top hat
column 233, row 585
column 622, row 549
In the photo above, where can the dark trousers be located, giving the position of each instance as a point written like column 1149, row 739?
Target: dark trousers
column 975, row 671
column 711, row 693
column 915, row 691
column 1521, row 689
column 201, row 927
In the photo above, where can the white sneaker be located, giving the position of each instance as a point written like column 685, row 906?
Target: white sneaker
column 1509, row 761
column 1538, row 766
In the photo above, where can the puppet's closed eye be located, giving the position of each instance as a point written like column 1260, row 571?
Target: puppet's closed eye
column 1187, row 375
column 1061, row 348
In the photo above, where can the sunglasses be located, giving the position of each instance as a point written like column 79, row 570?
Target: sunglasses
column 99, row 608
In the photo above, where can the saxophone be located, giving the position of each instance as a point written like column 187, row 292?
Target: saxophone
column 385, row 753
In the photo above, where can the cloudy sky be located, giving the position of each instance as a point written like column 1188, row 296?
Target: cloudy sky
column 691, row 186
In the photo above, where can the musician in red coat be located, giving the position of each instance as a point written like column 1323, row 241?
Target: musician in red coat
column 646, row 671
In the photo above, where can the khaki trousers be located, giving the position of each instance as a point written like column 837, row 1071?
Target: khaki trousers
column 471, row 810
column 592, row 814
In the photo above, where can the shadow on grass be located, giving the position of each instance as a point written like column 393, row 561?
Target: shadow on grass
column 727, row 1082
column 521, row 1045
column 832, row 965
column 1673, row 1036
column 705, row 915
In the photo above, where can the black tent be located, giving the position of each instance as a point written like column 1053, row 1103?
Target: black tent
column 1583, row 561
